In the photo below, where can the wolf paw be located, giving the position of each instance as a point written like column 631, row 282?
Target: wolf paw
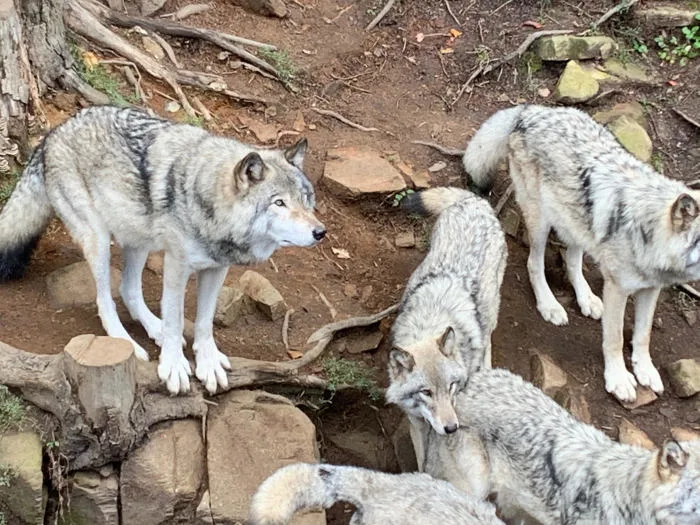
column 621, row 384
column 174, row 369
column 592, row 307
column 554, row 313
column 139, row 352
column 648, row 375
column 211, row 366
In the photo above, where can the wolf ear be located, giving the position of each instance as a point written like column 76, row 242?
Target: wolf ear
column 672, row 460
column 446, row 343
column 295, row 154
column 400, row 362
column 250, row 170
column 683, row 212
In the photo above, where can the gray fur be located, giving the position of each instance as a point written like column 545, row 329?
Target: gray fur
column 643, row 229
column 540, row 462
column 380, row 499
column 151, row 184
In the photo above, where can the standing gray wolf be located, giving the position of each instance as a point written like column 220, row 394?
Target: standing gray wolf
column 381, row 499
column 207, row 201
column 642, row 229
column 540, row 462
column 448, row 311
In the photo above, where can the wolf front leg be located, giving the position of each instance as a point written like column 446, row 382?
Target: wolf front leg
column 174, row 368
column 618, row 381
column 211, row 365
column 644, row 369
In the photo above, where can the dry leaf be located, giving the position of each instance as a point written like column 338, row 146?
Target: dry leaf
column 532, row 23
column 340, row 253
column 420, row 37
column 672, row 83
column 455, row 33
column 446, row 50
column 90, row 59
column 295, row 354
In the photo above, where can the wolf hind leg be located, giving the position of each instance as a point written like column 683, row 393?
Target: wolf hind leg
column 589, row 303
column 644, row 369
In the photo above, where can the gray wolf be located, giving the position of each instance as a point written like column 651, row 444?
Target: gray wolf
column 448, row 311
column 207, row 201
column 540, row 463
column 380, row 499
column 642, row 229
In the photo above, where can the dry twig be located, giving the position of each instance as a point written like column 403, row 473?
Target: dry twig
column 686, row 117
column 324, row 300
column 342, row 119
column 504, row 199
column 380, row 15
column 690, row 290
column 454, row 17
column 622, row 6
column 285, row 328
column 453, row 152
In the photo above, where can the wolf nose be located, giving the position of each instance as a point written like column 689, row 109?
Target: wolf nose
column 319, row 233
column 451, row 429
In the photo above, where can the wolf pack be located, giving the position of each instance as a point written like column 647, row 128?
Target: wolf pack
column 490, row 447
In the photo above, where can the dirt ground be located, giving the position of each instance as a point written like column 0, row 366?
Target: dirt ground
column 389, row 80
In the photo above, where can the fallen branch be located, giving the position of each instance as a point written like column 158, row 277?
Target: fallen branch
column 167, row 48
column 380, row 15
column 342, row 119
column 622, row 6
column 324, row 300
column 691, row 291
column 454, row 17
column 686, row 117
column 453, row 152
column 483, row 69
column 285, row 328
column 504, row 199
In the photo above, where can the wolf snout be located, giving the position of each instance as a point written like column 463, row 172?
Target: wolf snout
column 319, row 233
column 451, row 428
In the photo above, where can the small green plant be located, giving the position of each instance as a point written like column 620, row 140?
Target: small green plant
column 398, row 197
column 11, row 410
column 681, row 49
column 657, row 162
column 99, row 77
column 7, row 184
column 193, row 121
column 639, row 46
column 6, row 475
column 352, row 373
column 282, row 63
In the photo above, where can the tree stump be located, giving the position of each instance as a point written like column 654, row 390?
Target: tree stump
column 102, row 370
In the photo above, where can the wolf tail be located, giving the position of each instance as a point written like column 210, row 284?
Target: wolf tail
column 489, row 146
column 23, row 219
column 305, row 486
column 433, row 201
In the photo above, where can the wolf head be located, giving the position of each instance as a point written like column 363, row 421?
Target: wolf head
column 677, row 480
column 685, row 226
column 425, row 377
column 273, row 187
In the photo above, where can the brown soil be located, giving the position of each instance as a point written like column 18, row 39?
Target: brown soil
column 398, row 85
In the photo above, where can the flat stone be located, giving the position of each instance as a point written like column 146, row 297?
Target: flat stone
column 631, row 72
column 630, row 434
column 251, row 434
column 545, row 374
column 263, row 132
column 510, row 222
column 353, row 172
column 263, row 7
column 685, row 377
column 93, row 499
column 24, row 498
column 403, row 447
column 161, row 480
column 405, row 240
column 350, row 290
column 149, row 7
column 173, row 106
column 568, row 47
column 633, row 137
column 666, row 16
column 364, row 342
column 633, row 110
column 574, row 401
column 229, row 305
column 690, row 316
column 645, row 396
column 73, row 285
column 368, row 449
column 575, row 85
column 263, row 294
column 152, row 48
column 203, row 513
column 419, row 180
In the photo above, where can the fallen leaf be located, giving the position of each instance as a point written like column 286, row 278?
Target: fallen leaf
column 440, row 165
column 455, row 33
column 532, row 23
column 420, row 37
column 672, row 83
column 90, row 59
column 446, row 50
column 295, row 354
column 340, row 253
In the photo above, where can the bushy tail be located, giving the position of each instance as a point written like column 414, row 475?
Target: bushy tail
column 433, row 201
column 489, row 146
column 302, row 487
column 23, row 219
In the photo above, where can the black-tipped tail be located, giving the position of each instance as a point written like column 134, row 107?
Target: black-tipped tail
column 433, row 201
column 14, row 259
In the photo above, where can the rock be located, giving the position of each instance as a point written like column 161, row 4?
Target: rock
column 685, row 377
column 352, row 172
column 575, row 85
column 203, row 513
column 263, row 294
column 153, row 48
column 299, row 122
column 160, row 481
column 228, row 305
column 65, row 101
column 544, row 92
column 630, row 434
column 148, row 7
column 405, row 240
column 567, row 47
column 510, row 222
column 684, row 434
column 666, row 16
column 250, row 434
column 263, row 7
column 545, row 374
column 73, row 285
column 438, row 166
column 366, row 293
column 155, row 262
column 419, row 181
column 574, row 401
column 263, row 132
column 645, row 396
column 364, row 342
column 24, row 498
column 658, row 323
column 633, row 137
column 368, row 449
column 403, row 447
column 691, row 317
column 633, row 110
column 93, row 499
column 350, row 290
column 173, row 106
column 629, row 72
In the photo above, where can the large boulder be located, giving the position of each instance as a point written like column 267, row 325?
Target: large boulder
column 23, row 495
column 251, row 434
column 263, row 294
column 354, row 172
column 74, row 285
column 93, row 498
column 161, row 480
column 568, row 47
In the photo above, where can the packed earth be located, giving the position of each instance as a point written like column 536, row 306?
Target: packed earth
column 404, row 80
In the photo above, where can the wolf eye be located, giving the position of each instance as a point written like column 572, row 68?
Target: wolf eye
column 426, row 392
column 280, row 203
